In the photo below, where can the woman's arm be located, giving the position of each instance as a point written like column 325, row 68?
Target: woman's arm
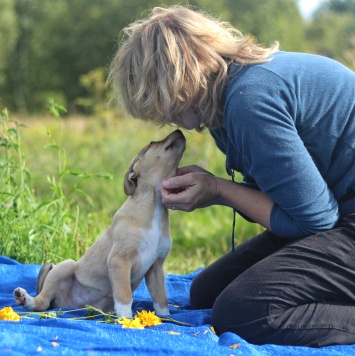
column 197, row 188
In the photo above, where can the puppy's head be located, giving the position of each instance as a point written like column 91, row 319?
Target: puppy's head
column 155, row 162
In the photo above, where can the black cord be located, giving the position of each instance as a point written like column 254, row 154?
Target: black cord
column 233, row 226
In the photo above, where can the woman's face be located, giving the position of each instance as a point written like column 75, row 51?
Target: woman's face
column 188, row 120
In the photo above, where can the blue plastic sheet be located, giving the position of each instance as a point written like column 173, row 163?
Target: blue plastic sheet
column 62, row 336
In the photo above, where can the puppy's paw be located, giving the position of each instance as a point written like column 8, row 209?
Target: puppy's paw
column 123, row 309
column 161, row 310
column 21, row 296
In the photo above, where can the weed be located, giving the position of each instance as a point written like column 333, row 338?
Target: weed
column 38, row 228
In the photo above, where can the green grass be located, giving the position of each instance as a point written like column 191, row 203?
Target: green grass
column 61, row 181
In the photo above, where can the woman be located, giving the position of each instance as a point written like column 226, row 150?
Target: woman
column 286, row 121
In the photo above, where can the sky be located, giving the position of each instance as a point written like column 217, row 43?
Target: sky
column 308, row 6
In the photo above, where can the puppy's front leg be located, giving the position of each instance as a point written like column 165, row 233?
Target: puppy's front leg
column 120, row 277
column 155, row 280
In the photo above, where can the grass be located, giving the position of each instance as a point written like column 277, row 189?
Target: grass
column 61, row 181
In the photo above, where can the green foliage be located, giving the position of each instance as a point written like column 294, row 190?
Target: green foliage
column 8, row 34
column 97, row 95
column 32, row 225
column 332, row 32
column 267, row 21
column 343, row 6
column 58, row 42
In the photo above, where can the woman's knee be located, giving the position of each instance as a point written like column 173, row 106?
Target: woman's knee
column 242, row 309
column 210, row 282
column 226, row 315
column 200, row 297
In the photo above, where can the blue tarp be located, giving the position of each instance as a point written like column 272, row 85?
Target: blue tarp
column 61, row 336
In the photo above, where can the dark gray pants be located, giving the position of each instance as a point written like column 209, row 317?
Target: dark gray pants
column 273, row 290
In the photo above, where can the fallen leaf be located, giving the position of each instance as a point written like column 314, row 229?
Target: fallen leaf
column 234, row 346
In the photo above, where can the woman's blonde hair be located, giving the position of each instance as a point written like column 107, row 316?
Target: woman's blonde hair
column 177, row 59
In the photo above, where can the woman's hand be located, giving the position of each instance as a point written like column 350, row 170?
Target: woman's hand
column 192, row 187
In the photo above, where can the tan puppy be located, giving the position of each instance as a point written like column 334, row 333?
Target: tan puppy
column 133, row 247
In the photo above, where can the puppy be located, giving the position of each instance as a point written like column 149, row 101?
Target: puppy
column 133, row 247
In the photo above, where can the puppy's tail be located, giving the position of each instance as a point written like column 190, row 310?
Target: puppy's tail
column 42, row 276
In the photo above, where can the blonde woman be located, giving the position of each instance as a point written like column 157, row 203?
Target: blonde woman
column 286, row 121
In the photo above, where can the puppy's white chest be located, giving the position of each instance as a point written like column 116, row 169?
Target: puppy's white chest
column 153, row 245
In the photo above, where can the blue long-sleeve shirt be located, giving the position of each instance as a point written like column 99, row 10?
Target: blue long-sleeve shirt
column 289, row 128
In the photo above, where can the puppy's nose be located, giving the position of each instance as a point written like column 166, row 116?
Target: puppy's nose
column 17, row 293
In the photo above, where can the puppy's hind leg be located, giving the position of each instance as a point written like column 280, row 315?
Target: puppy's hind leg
column 23, row 298
column 46, row 298
column 155, row 280
column 46, row 268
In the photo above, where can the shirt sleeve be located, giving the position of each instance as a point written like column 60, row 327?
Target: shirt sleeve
column 260, row 118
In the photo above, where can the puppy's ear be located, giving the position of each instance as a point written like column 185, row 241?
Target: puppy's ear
column 130, row 183
column 130, row 180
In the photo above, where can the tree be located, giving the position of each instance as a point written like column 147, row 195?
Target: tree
column 266, row 20
column 339, row 6
column 58, row 42
column 8, row 35
column 332, row 32
column 14, row 88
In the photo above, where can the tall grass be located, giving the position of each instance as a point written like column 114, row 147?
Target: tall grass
column 61, row 181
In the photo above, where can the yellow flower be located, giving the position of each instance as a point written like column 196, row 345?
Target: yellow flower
column 7, row 313
column 136, row 323
column 141, row 320
column 124, row 322
column 133, row 324
column 148, row 318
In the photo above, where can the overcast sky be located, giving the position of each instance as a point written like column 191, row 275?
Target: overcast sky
column 308, row 6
